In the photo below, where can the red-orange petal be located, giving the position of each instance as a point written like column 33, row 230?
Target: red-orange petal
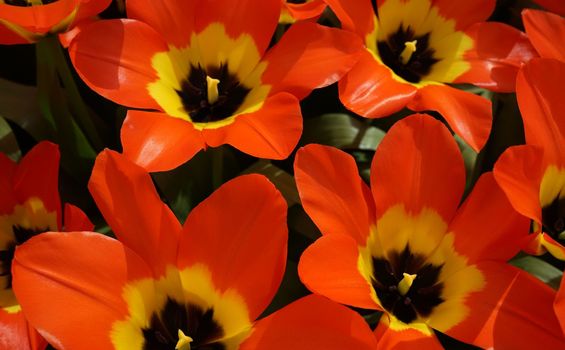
column 329, row 267
column 113, row 57
column 75, row 219
column 465, row 13
column 538, row 89
column 158, row 142
column 405, row 339
column 37, row 175
column 82, row 275
column 513, row 311
column 519, row 171
column 332, row 192
column 310, row 56
column 418, row 164
column 173, row 19
column 312, row 322
column 271, row 132
column 546, row 32
column 38, row 19
column 559, row 305
column 9, row 37
column 498, row 53
column 370, row 90
column 239, row 233
column 306, row 10
column 127, row 198
column 486, row 226
column 17, row 334
column 8, row 198
column 469, row 115
column 90, row 8
column 557, row 6
column 356, row 16
column 257, row 18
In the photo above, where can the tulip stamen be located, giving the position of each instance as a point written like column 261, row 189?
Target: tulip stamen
column 409, row 49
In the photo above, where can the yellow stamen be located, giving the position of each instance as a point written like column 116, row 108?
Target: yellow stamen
column 212, row 89
column 184, row 341
column 406, row 282
column 409, row 49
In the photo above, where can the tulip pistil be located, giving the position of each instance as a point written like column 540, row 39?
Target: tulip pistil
column 406, row 282
column 409, row 49
column 184, row 341
column 212, row 85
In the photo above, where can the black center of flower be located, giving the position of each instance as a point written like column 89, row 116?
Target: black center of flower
column 423, row 295
column 412, row 67
column 21, row 235
column 25, row 3
column 553, row 217
column 195, row 322
column 203, row 108
column 297, row 1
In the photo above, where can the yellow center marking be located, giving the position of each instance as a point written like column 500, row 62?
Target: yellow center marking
column 212, row 89
column 409, row 49
column 406, row 282
column 184, row 341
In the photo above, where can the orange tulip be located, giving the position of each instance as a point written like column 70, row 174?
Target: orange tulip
column 27, row 21
column 406, row 247
column 414, row 48
column 293, row 10
column 163, row 286
column 29, row 205
column 203, row 65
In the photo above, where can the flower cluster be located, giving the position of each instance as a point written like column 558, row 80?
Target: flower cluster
column 231, row 211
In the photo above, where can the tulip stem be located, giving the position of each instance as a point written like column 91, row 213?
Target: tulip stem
column 217, row 167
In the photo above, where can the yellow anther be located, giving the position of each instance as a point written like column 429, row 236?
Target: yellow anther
column 184, row 341
column 406, row 282
column 409, row 49
column 212, row 89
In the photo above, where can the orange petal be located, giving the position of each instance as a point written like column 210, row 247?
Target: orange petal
column 513, row 311
column 113, row 57
column 173, row 19
column 38, row 19
column 519, row 171
column 332, row 192
column 257, row 18
column 76, row 220
column 271, row 132
column 90, row 8
column 557, row 6
column 17, row 334
column 38, row 176
column 370, row 90
column 158, row 142
column 8, row 198
column 312, row 322
column 404, row 339
column 465, row 13
column 305, row 10
column 9, row 37
column 487, row 226
column 310, row 56
column 127, row 198
column 239, row 233
column 82, row 275
column 540, row 99
column 546, row 32
column 498, row 53
column 559, row 305
column 356, row 16
column 329, row 267
column 469, row 115
column 418, row 164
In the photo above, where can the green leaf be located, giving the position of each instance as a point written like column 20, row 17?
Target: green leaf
column 544, row 271
column 8, row 142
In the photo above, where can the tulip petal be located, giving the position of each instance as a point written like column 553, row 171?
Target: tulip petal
column 418, row 164
column 239, row 233
column 158, row 142
column 405, row 338
column 546, row 32
column 16, row 333
column 356, row 16
column 127, row 198
column 469, row 115
column 465, row 13
column 75, row 219
column 8, row 198
column 312, row 322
